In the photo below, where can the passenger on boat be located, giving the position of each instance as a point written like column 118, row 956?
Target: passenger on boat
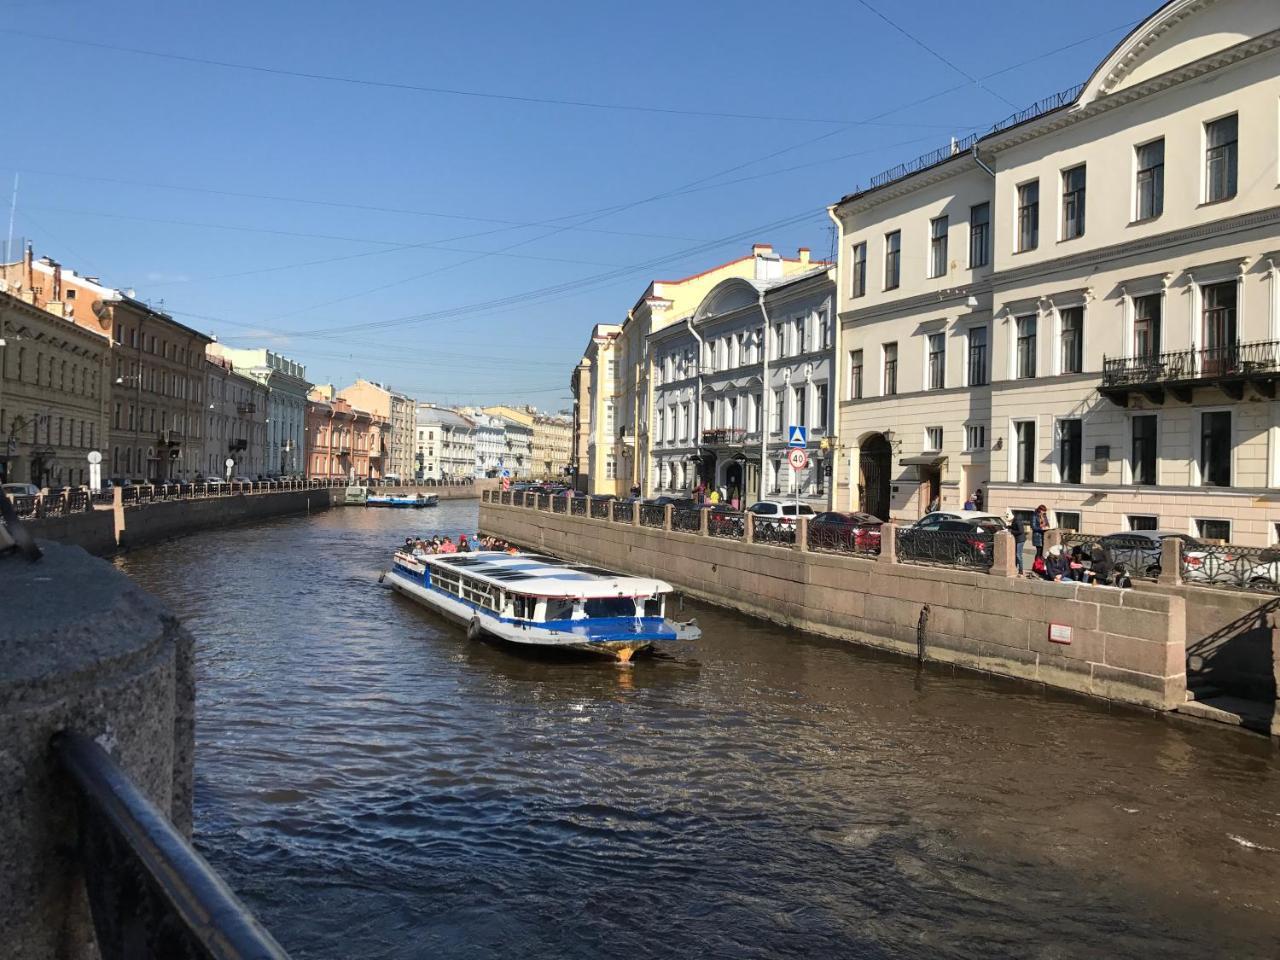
column 464, row 545
column 447, row 546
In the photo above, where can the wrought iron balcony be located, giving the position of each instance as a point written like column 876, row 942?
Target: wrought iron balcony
column 246, row 408
column 1229, row 368
column 169, row 436
column 723, row 436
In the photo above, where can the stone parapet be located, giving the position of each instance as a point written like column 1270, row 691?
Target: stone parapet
column 1121, row 645
column 81, row 649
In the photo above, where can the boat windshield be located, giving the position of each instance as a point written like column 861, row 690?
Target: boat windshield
column 610, row 607
column 559, row 609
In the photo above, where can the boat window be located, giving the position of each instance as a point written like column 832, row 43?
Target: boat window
column 611, row 607
column 559, row 609
column 480, row 593
column 653, row 606
column 523, row 607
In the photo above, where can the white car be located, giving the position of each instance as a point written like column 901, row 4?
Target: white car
column 778, row 513
column 21, row 489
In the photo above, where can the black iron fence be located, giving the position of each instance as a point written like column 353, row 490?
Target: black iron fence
column 623, row 511
column 687, row 519
column 559, row 505
column 772, row 532
column 578, row 506
column 728, row 524
column 961, row 548
column 1226, row 565
column 151, row 895
column 843, row 538
column 1241, row 360
column 652, row 515
column 600, row 509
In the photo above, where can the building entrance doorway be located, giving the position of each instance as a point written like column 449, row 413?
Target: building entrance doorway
column 875, row 464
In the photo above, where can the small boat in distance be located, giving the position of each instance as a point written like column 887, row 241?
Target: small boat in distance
column 402, row 500
column 538, row 601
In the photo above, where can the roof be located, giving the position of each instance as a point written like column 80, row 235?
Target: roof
column 442, row 416
column 542, row 576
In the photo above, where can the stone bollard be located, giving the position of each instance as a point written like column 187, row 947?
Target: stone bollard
column 748, row 527
column 82, row 649
column 802, row 534
column 1170, row 562
column 666, row 517
column 635, row 513
column 609, row 504
column 702, row 521
column 888, row 543
column 1005, row 563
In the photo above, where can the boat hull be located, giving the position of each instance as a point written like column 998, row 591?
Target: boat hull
column 620, row 640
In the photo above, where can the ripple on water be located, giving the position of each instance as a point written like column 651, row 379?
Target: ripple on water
column 376, row 786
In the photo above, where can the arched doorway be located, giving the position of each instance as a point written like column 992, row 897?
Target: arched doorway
column 733, row 477
column 875, row 468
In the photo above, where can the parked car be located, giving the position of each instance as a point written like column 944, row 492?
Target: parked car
column 982, row 517
column 779, row 513
column 847, row 530
column 21, row 489
column 1139, row 550
column 665, row 500
column 917, row 543
column 724, row 521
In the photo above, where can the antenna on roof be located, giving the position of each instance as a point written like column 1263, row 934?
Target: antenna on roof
column 13, row 209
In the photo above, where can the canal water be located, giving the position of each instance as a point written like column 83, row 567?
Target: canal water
column 374, row 785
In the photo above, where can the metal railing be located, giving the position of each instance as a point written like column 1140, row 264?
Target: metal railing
column 687, row 519
column 774, row 533
column 1256, row 358
column 623, row 511
column 600, row 509
column 1227, row 565
column 1038, row 109
column 724, row 435
column 842, row 538
column 652, row 515
column 726, row 524
column 559, row 505
column 946, row 548
column 924, row 161
column 151, row 895
column 578, row 506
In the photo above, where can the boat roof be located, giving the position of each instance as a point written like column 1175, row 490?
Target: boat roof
column 542, row 576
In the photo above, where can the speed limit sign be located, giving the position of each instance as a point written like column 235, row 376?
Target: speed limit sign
column 799, row 459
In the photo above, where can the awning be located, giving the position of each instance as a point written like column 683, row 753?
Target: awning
column 924, row 460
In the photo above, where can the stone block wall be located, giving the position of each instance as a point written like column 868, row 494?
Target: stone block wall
column 1125, row 645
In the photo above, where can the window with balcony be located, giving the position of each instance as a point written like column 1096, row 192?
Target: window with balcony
column 855, row 374
column 1070, row 451
column 819, row 407
column 1026, row 347
column 938, row 246
column 859, row 270
column 1025, row 451
column 1215, row 449
column 937, row 360
column 1149, row 184
column 890, row 354
column 892, row 259
column 1028, row 216
column 976, row 371
column 1219, row 326
column 1220, row 158
column 979, row 235
column 1146, row 325
column 1071, row 354
column 1073, row 188
column 1142, row 460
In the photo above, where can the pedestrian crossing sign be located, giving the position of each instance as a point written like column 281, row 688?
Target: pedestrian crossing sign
column 799, row 436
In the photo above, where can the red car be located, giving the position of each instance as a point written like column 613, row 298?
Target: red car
column 852, row 531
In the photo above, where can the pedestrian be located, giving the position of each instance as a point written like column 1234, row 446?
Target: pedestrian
column 977, row 499
column 1057, row 566
column 970, row 505
column 734, row 500
column 715, row 497
column 1099, row 565
column 1018, row 527
column 635, row 491
column 1039, row 524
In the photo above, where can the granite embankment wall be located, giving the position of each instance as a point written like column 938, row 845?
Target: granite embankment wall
column 82, row 649
column 1126, row 646
column 106, row 529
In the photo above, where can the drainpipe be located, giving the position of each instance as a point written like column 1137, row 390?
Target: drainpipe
column 765, row 392
column 697, row 403
column 836, row 390
column 977, row 158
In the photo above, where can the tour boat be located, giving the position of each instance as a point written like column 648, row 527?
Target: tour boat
column 401, row 500
column 538, row 601
column 355, row 494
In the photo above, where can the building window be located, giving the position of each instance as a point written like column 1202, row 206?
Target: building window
column 1026, row 347
column 1025, row 462
column 1142, row 462
column 1146, row 325
column 820, row 406
column 1067, row 521
column 979, row 235
column 824, row 331
column 855, row 374
column 890, row 369
column 1072, row 330
column 1028, row 216
column 892, row 259
column 775, row 415
column 859, row 270
column 1214, row 530
column 1149, row 186
column 975, row 436
column 1220, row 158
column 610, row 469
column 1073, row 184
column 1219, row 326
column 977, row 368
column 937, row 348
column 938, row 246
column 932, row 439
column 1069, row 451
column 779, row 341
column 800, row 395
column 1215, row 449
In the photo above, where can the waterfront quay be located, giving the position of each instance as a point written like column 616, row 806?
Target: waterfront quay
column 371, row 783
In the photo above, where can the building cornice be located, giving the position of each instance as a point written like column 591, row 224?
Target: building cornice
column 937, row 299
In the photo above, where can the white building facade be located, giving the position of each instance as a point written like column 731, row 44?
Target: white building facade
column 286, row 413
column 491, row 443
column 445, row 444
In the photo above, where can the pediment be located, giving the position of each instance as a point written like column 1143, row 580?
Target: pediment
column 725, row 297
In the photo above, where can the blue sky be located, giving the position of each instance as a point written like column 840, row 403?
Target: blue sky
column 369, row 229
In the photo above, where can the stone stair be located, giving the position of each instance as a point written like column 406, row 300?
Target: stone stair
column 1209, row 703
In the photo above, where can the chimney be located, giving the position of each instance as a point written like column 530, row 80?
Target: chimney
column 768, row 263
column 28, row 271
column 804, row 256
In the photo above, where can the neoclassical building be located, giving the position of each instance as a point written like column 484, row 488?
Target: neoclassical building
column 286, row 404
column 754, row 358
column 1081, row 308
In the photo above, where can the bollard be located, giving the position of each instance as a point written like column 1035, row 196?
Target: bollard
column 702, row 521
column 748, row 527
column 609, row 504
column 1004, row 562
column 802, row 534
column 1170, row 562
column 888, row 543
column 635, row 513
column 666, row 518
